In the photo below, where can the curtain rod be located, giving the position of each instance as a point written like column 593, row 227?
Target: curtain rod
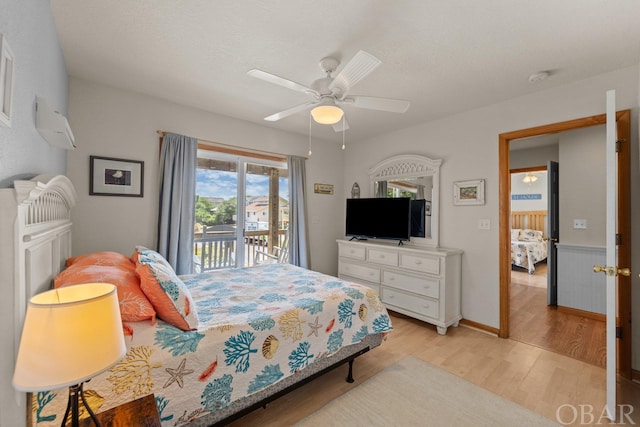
column 235, row 149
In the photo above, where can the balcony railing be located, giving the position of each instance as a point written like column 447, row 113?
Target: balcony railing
column 214, row 250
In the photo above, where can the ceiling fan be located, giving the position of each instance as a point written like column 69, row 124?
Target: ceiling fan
column 330, row 92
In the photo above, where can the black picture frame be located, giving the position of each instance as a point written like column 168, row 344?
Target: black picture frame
column 109, row 176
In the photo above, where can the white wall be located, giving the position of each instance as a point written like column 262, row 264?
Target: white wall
column 537, row 187
column 39, row 70
column 115, row 123
column 530, row 157
column 468, row 145
column 582, row 186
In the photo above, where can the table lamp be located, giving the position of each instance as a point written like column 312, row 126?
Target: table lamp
column 70, row 335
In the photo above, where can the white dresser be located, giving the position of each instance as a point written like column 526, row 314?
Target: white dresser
column 417, row 281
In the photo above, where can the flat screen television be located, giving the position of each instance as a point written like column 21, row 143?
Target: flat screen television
column 418, row 218
column 379, row 218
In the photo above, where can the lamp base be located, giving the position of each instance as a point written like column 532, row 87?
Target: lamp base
column 76, row 392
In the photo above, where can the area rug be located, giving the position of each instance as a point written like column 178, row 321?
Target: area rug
column 413, row 392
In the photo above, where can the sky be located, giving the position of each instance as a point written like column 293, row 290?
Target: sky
column 214, row 183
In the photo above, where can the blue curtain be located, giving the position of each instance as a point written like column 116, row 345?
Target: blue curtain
column 298, row 235
column 176, row 217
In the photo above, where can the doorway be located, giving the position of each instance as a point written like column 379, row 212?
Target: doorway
column 624, row 220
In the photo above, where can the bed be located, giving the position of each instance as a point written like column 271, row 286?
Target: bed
column 528, row 243
column 242, row 337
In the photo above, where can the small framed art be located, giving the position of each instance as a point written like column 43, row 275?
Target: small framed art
column 323, row 188
column 468, row 192
column 116, row 177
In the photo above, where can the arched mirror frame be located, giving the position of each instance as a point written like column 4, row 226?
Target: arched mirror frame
column 408, row 166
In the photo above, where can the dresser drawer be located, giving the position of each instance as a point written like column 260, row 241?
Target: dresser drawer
column 352, row 252
column 427, row 286
column 423, row 306
column 370, row 285
column 422, row 263
column 383, row 257
column 363, row 272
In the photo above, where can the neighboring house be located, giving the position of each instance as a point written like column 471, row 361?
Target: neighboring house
column 257, row 211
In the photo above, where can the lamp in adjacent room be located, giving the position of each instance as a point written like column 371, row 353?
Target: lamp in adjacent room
column 327, row 113
column 529, row 178
column 70, row 335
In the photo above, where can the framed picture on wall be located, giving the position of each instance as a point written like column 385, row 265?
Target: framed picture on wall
column 468, row 192
column 116, row 177
column 7, row 68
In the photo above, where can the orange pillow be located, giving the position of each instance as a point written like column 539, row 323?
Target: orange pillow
column 169, row 296
column 102, row 258
column 134, row 305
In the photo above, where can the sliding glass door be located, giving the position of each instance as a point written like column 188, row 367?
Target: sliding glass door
column 241, row 210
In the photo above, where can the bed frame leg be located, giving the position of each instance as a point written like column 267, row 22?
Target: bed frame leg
column 350, row 374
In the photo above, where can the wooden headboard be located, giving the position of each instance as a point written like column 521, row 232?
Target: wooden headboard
column 35, row 225
column 535, row 220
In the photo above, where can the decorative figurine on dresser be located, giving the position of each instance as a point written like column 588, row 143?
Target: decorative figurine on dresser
column 401, row 259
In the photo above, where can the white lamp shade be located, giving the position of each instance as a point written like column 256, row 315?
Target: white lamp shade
column 70, row 335
column 327, row 114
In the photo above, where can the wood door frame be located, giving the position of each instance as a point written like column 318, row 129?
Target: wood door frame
column 624, row 221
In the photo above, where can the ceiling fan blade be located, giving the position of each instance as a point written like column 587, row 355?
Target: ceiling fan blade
column 286, row 113
column 375, row 103
column 280, row 81
column 338, row 126
column 359, row 67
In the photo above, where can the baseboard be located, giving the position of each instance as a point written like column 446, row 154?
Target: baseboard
column 635, row 375
column 583, row 313
column 480, row 326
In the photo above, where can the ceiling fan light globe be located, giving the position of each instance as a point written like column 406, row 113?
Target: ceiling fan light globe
column 327, row 114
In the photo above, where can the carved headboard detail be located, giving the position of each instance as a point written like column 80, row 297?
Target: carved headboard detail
column 35, row 225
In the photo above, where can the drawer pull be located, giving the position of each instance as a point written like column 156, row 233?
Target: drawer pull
column 418, row 261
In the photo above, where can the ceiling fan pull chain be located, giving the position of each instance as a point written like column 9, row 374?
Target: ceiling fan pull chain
column 309, row 134
column 343, row 131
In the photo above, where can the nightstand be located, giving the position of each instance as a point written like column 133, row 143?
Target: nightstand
column 141, row 412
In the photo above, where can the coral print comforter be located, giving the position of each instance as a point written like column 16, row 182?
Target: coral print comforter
column 257, row 326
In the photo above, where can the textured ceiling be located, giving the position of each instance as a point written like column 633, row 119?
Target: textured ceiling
column 443, row 56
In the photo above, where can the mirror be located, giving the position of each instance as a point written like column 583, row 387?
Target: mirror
column 412, row 176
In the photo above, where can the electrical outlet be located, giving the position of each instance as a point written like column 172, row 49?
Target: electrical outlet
column 484, row 224
column 580, row 224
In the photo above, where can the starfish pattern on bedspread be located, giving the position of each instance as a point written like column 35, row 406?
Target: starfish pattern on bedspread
column 177, row 375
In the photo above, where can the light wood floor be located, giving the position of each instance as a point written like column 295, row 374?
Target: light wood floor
column 535, row 378
column 533, row 322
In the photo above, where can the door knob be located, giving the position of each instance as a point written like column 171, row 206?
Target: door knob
column 611, row 271
column 624, row 272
